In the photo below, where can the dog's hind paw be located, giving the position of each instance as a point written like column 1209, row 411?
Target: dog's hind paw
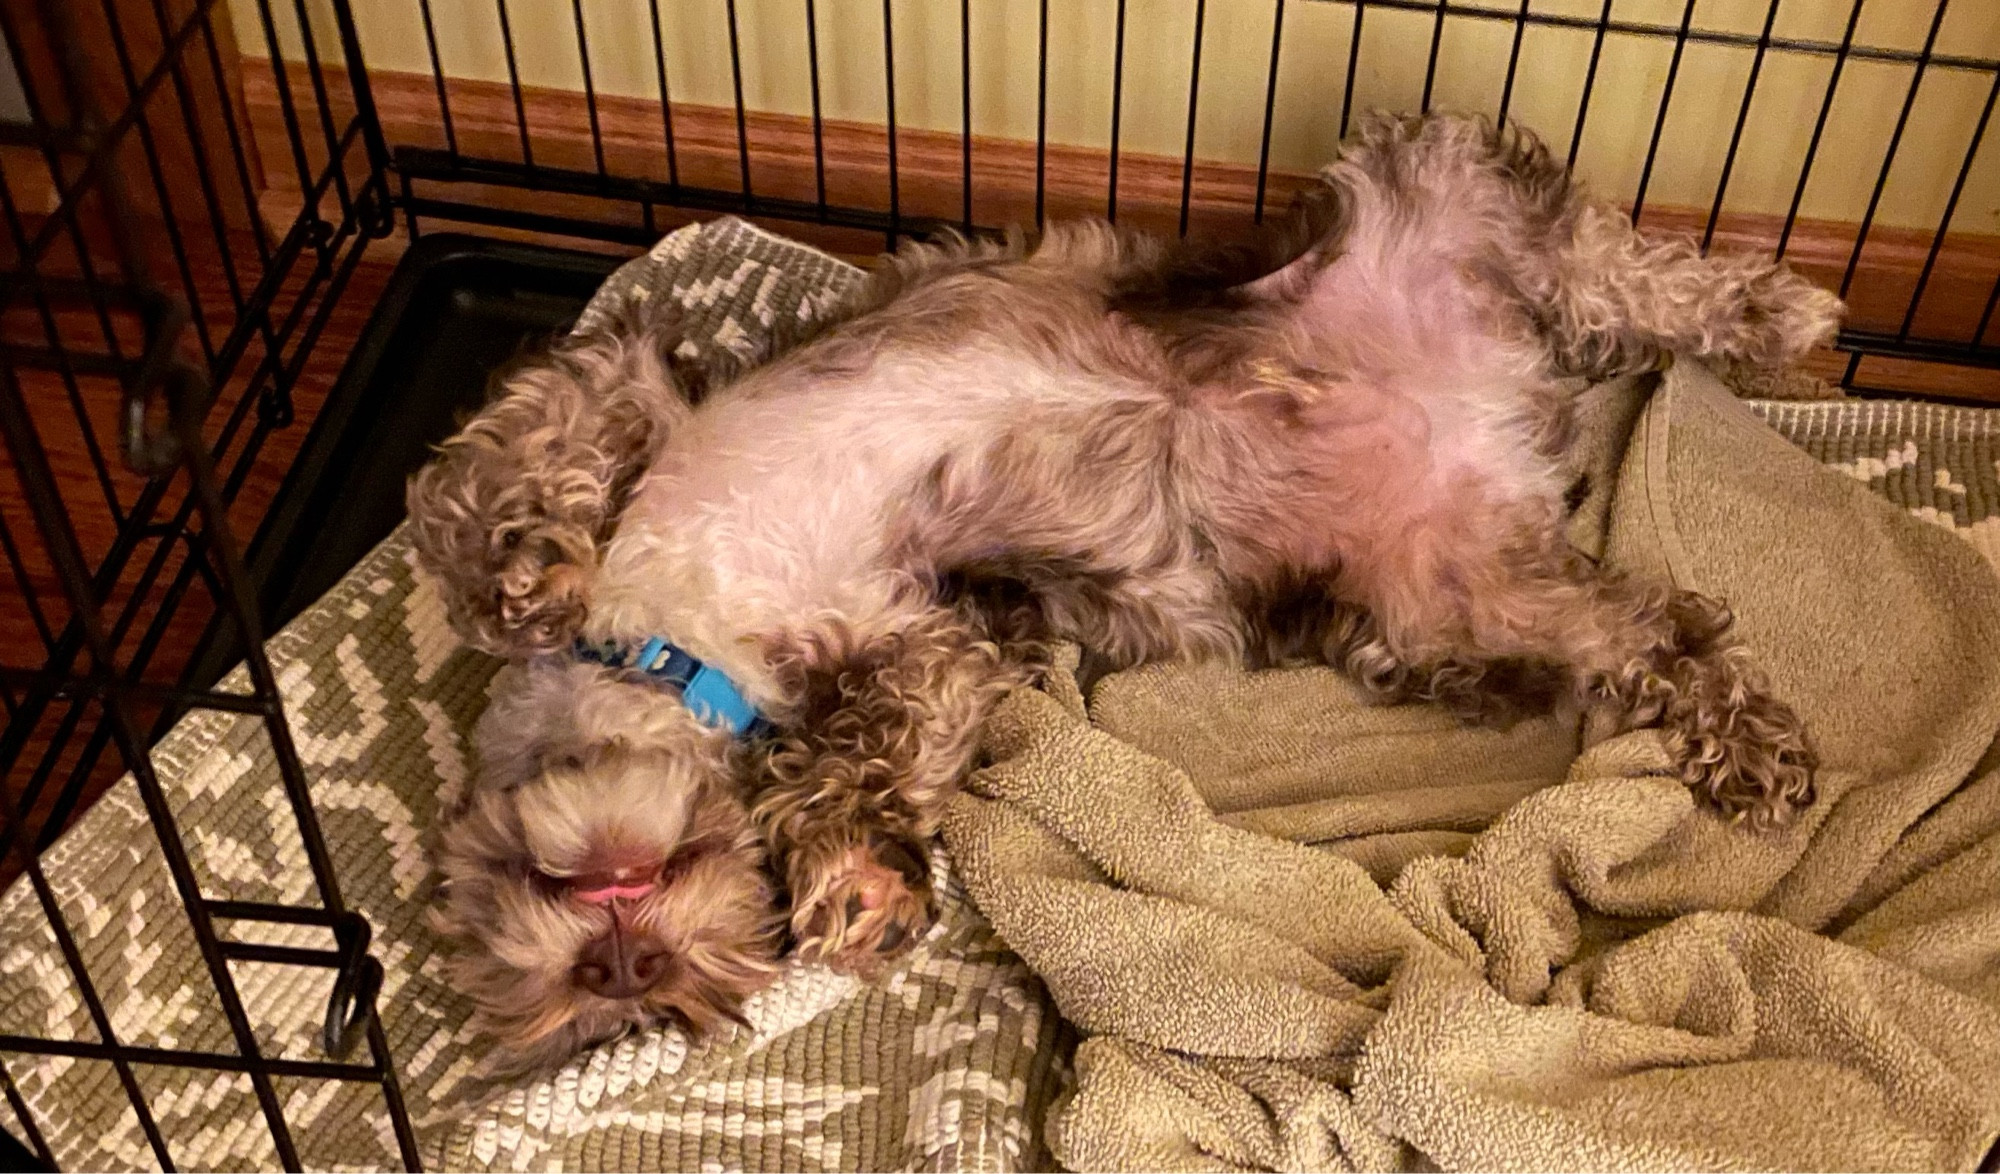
column 861, row 907
column 1784, row 316
column 1750, row 760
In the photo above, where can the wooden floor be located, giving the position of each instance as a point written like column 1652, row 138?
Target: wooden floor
column 159, row 651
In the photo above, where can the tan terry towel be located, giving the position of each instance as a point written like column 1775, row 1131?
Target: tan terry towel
column 1303, row 933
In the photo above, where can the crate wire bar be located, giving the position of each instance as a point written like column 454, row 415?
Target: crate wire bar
column 166, row 348
column 197, row 367
column 453, row 166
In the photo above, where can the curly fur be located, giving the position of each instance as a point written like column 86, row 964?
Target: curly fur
column 581, row 772
column 1345, row 442
column 509, row 516
column 877, row 730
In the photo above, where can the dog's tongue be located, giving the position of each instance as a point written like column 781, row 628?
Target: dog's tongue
column 604, row 888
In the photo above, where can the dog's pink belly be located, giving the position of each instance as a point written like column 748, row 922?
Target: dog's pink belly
column 1402, row 496
column 1296, row 483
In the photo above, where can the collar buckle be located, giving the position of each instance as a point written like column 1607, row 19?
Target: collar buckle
column 707, row 691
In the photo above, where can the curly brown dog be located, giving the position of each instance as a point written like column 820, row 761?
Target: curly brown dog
column 1344, row 443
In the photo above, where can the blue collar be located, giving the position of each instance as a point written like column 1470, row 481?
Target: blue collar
column 707, row 691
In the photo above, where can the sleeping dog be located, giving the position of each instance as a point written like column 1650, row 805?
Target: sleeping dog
column 755, row 621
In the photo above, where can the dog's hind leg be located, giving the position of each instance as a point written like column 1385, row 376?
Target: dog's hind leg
column 1611, row 299
column 1301, row 621
column 1655, row 655
column 1606, row 298
column 507, row 519
column 877, row 732
column 1615, row 299
column 1663, row 657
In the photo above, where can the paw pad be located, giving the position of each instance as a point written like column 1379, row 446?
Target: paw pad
column 874, row 905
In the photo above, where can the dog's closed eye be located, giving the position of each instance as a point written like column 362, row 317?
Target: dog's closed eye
column 547, row 884
column 687, row 856
column 1578, row 493
column 571, row 761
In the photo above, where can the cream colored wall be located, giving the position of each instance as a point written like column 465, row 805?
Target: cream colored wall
column 1471, row 69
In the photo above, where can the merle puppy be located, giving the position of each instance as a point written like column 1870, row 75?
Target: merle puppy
column 762, row 623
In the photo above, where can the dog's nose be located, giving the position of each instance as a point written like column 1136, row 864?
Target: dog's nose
column 622, row 966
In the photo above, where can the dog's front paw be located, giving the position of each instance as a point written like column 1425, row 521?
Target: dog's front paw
column 511, row 552
column 540, row 571
column 860, row 906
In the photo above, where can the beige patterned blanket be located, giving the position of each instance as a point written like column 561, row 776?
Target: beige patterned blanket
column 949, row 1065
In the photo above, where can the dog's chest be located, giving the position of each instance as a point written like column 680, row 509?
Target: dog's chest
column 774, row 505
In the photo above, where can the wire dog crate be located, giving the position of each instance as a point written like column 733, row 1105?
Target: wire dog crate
column 190, row 188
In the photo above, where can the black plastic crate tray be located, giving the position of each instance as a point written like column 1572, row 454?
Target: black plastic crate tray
column 456, row 308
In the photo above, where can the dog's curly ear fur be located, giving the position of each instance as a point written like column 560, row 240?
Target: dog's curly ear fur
column 509, row 516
